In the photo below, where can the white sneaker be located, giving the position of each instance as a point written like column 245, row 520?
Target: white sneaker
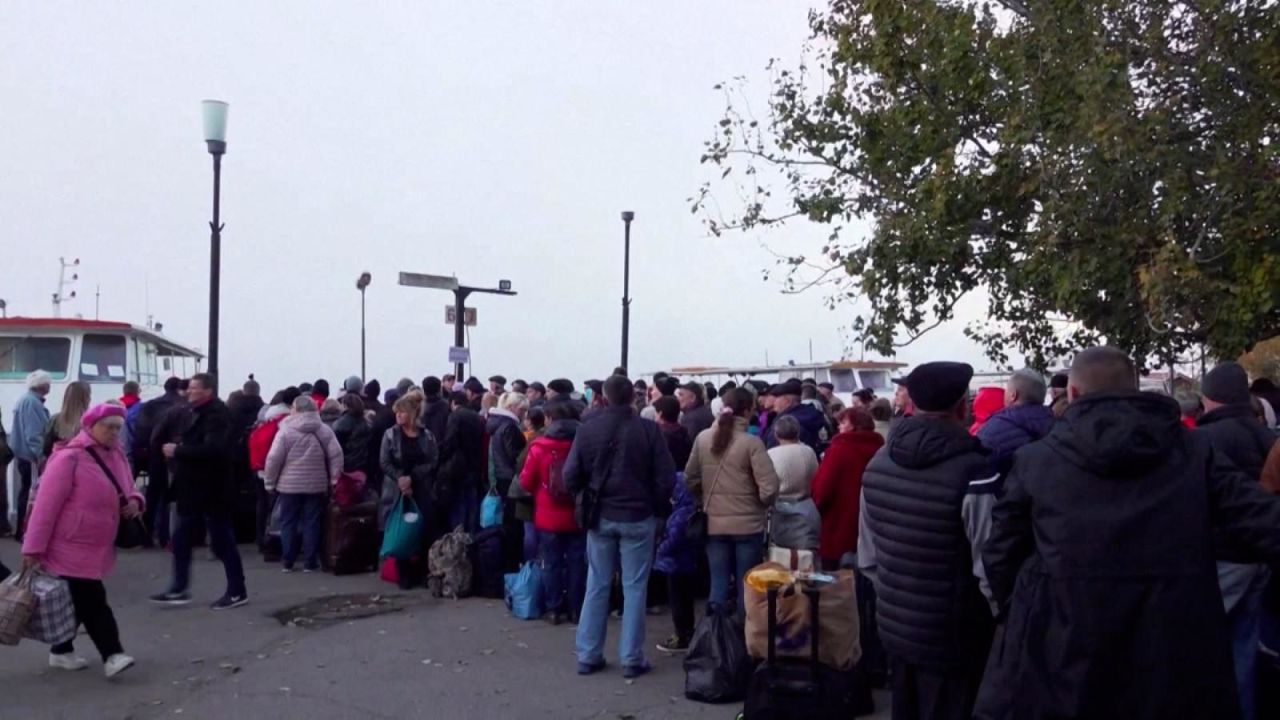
column 117, row 664
column 67, row 662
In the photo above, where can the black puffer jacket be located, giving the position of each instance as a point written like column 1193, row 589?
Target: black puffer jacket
column 1102, row 551
column 931, row 611
column 355, row 436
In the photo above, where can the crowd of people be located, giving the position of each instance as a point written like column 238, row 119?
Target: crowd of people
column 1054, row 548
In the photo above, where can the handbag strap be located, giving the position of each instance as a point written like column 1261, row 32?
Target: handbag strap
column 110, row 475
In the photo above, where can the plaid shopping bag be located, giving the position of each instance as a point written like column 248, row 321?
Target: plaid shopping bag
column 54, row 618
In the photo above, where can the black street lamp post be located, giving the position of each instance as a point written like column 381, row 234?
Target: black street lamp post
column 627, row 217
column 361, row 284
column 214, row 115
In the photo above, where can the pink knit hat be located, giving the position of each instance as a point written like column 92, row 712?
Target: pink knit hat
column 100, row 412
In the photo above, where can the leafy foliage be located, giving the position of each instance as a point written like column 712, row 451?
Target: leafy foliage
column 1263, row 361
column 1104, row 169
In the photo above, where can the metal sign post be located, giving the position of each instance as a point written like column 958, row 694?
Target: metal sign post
column 462, row 316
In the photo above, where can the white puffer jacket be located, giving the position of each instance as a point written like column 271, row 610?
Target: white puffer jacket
column 305, row 457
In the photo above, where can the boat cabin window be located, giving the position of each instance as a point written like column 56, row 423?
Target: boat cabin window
column 103, row 358
column 875, row 379
column 843, row 380
column 19, row 356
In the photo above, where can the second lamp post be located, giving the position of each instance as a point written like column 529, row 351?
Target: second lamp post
column 627, row 217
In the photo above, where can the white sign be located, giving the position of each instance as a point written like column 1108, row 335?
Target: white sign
column 451, row 315
column 459, row 355
column 439, row 282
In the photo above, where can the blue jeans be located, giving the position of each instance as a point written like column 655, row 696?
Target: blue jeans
column 531, row 538
column 564, row 571
column 309, row 510
column 731, row 556
column 222, row 539
column 632, row 544
column 1246, row 629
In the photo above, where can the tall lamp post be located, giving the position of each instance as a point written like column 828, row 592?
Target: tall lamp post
column 361, row 284
column 627, row 217
column 214, row 115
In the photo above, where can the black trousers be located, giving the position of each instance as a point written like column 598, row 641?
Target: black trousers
column 90, row 600
column 932, row 694
column 25, row 473
column 681, row 591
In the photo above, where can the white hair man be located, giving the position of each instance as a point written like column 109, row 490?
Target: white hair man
column 26, row 438
column 1025, row 418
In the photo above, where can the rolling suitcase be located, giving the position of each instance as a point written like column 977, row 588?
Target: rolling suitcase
column 351, row 538
column 785, row 688
column 488, row 576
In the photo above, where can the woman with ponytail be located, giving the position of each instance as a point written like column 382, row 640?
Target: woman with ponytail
column 731, row 476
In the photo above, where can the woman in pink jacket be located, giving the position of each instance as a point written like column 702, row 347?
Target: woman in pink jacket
column 73, row 526
column 304, row 461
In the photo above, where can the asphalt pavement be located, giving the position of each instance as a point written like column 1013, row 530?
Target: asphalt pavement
column 429, row 658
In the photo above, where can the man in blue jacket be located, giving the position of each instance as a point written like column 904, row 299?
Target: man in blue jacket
column 621, row 473
column 1024, row 419
column 786, row 401
column 27, row 441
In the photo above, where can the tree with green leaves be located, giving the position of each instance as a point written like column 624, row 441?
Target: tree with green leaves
column 1105, row 170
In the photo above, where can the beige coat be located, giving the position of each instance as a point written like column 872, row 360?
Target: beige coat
column 741, row 483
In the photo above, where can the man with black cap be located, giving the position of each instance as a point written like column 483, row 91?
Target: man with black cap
column 1101, row 560
column 462, row 461
column 475, row 392
column 1235, row 433
column 598, row 403
column 497, row 385
column 834, row 405
column 520, row 386
column 695, row 416
column 926, row 505
column 435, row 410
column 786, row 401
column 537, row 394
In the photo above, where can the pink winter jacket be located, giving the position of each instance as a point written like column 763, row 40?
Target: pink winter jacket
column 305, row 457
column 73, row 524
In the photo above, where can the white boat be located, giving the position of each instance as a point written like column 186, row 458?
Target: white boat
column 847, row 376
column 102, row 353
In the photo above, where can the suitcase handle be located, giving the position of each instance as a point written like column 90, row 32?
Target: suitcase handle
column 773, row 627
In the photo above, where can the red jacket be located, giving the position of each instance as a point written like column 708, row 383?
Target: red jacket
column 837, row 489
column 548, row 515
column 988, row 402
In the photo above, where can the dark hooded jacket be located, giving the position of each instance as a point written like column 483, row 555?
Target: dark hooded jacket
column 1101, row 557
column 1011, row 428
column 462, row 452
column 696, row 419
column 812, row 424
column 926, row 496
column 435, row 416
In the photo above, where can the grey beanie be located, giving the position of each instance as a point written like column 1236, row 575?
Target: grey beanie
column 1226, row 383
column 353, row 384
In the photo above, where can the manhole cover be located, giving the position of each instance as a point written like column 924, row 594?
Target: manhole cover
column 332, row 609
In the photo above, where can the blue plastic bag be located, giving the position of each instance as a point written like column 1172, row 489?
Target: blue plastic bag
column 491, row 509
column 523, row 592
column 403, row 537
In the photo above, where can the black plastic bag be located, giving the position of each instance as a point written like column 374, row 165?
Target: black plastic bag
column 717, row 668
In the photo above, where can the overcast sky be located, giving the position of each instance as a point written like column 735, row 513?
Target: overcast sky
column 495, row 140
